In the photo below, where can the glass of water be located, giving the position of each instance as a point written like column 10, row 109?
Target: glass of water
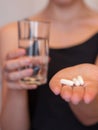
column 34, row 38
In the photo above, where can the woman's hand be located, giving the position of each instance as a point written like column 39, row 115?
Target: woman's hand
column 75, row 94
column 15, row 60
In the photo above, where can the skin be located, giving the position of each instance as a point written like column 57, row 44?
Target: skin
column 83, row 100
column 65, row 16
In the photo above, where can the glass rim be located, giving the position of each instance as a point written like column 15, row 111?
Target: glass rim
column 33, row 21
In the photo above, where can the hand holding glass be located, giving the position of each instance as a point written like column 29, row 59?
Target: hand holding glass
column 34, row 38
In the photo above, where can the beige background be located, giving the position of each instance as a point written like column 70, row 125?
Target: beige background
column 11, row 10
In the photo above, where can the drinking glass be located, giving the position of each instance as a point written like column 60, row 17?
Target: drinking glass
column 34, row 38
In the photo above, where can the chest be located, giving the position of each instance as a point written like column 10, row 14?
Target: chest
column 68, row 35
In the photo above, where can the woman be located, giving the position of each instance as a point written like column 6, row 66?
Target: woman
column 73, row 41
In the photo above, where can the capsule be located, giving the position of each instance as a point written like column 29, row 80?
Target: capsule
column 76, row 82
column 67, row 82
column 80, row 79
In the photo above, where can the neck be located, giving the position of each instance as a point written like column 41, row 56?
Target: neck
column 65, row 12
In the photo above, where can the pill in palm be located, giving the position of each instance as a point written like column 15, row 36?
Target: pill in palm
column 76, row 82
column 66, row 82
column 80, row 79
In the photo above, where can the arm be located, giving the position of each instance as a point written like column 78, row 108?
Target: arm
column 15, row 109
column 82, row 100
column 87, row 113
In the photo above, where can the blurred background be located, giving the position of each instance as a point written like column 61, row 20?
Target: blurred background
column 11, row 10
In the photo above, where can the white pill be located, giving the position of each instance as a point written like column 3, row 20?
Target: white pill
column 67, row 82
column 76, row 82
column 80, row 79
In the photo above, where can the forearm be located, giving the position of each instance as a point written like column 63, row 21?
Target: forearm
column 15, row 111
column 86, row 113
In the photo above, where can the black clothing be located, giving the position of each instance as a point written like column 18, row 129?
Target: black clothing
column 51, row 112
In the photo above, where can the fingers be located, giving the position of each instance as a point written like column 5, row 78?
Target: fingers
column 13, row 64
column 66, row 93
column 17, row 75
column 13, row 72
column 15, row 53
column 19, row 86
column 17, row 63
column 55, row 86
column 75, row 94
column 72, row 94
column 13, row 80
column 90, row 92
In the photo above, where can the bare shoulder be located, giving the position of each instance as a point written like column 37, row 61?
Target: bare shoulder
column 90, row 19
column 94, row 18
column 8, row 38
column 8, row 31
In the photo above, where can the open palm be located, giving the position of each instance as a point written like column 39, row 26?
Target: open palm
column 75, row 94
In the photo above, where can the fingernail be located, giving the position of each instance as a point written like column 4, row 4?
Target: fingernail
column 75, row 100
column 57, row 91
column 87, row 99
column 33, row 87
column 67, row 99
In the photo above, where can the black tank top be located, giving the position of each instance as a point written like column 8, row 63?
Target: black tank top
column 50, row 112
